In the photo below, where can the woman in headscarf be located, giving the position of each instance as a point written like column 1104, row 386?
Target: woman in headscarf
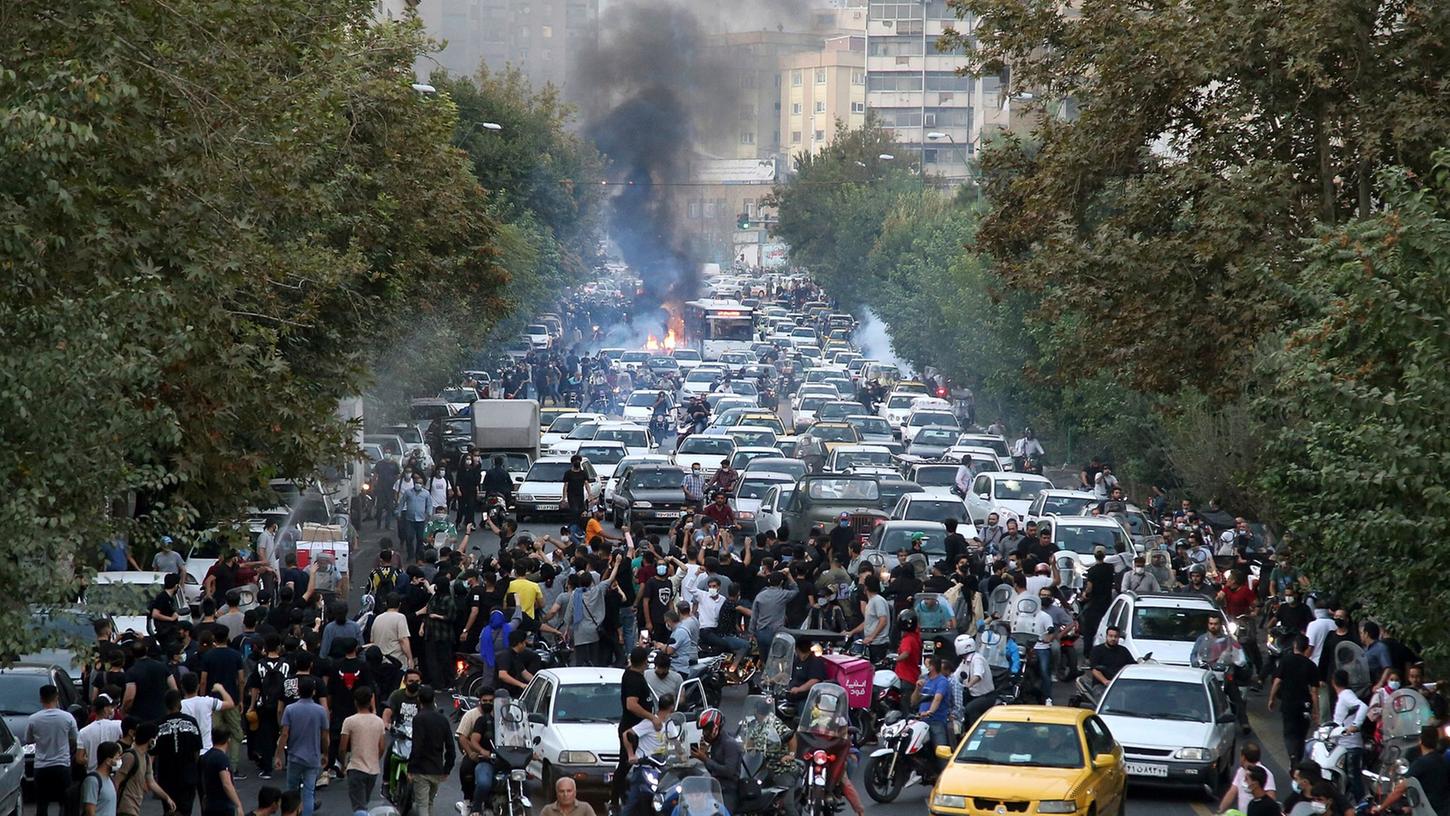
column 493, row 638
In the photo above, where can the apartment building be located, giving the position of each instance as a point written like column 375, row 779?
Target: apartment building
column 819, row 89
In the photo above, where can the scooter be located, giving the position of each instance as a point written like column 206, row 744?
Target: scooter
column 397, row 784
column 1325, row 746
column 511, row 755
column 904, row 752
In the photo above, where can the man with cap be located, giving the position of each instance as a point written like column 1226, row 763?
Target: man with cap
column 1139, row 579
column 103, row 728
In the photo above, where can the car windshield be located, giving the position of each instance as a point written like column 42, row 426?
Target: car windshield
column 899, row 538
column 744, row 389
column 794, row 468
column 1065, row 505
column 741, row 458
column 935, row 510
column 837, row 410
column 536, row 328
column 634, row 357
column 686, row 354
column 755, row 439
column 656, row 479
column 900, row 401
column 835, row 433
column 1156, row 700
column 517, row 462
column 699, row 376
column 663, row 362
column 870, row 425
column 643, row 399
column 1167, row 623
column 582, row 703
column 1036, row 745
column 409, row 433
column 1082, row 539
column 934, row 436
column 601, row 454
column 831, row 490
column 458, row 395
column 846, row 459
column 812, row 403
column 945, row 476
column 720, row 445
column 633, row 437
column 567, row 423
column 1018, row 489
column 755, row 488
column 937, row 418
column 584, row 430
column 547, row 472
column 20, row 693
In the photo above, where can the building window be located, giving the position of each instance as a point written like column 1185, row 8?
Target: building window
column 795, row 78
column 820, row 135
column 858, row 76
column 795, row 137
column 820, row 76
column 795, row 108
column 747, row 137
column 929, row 155
column 820, row 106
column 548, row 32
column 894, row 47
column 858, row 107
column 695, row 209
column 709, row 210
column 895, row 11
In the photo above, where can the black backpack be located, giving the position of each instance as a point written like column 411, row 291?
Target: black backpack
column 75, row 795
column 272, row 675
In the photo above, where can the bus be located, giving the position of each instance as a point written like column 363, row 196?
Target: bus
column 714, row 327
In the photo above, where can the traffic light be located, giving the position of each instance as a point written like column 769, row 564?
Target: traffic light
column 743, row 222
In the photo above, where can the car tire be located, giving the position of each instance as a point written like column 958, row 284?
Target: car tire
column 547, row 780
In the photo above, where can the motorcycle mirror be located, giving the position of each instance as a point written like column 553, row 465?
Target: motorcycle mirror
column 943, row 752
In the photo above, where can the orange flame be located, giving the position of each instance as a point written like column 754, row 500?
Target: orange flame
column 670, row 340
column 652, row 344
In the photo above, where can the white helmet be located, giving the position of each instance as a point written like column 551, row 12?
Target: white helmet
column 965, row 645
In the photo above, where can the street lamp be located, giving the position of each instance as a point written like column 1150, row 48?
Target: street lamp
column 424, row 88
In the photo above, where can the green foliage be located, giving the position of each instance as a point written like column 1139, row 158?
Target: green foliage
column 214, row 215
column 1190, row 147
column 1361, row 468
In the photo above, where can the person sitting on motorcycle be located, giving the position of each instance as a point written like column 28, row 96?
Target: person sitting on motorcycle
column 1216, row 649
column 1105, row 661
column 478, row 744
column 764, row 732
column 497, row 481
column 721, row 754
column 908, row 649
column 973, row 683
column 933, row 700
column 821, row 721
column 809, row 669
column 645, row 739
column 724, row 479
column 1239, row 601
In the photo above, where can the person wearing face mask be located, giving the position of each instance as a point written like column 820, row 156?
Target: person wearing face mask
column 693, row 488
column 415, row 505
column 1291, row 614
column 1240, row 792
column 478, row 752
column 470, row 476
column 1296, row 688
column 656, row 599
column 403, row 703
column 707, row 611
column 1139, row 579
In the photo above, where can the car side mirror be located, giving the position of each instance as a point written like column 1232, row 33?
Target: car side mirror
column 537, row 718
column 1105, row 760
column 982, row 496
column 1226, row 718
column 943, row 752
column 538, row 740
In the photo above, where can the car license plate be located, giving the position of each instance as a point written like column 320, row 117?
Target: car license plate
column 669, row 514
column 1145, row 769
column 546, row 507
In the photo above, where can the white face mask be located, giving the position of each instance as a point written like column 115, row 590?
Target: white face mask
column 1393, row 685
column 116, row 764
column 714, row 592
column 1137, row 570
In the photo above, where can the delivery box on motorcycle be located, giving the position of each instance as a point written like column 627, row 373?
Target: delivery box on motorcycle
column 853, row 674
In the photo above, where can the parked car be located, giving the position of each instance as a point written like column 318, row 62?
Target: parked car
column 12, row 772
column 20, row 697
column 1175, row 724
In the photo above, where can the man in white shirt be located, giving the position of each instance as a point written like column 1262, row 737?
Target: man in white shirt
column 1318, row 631
column 1349, row 714
column 201, row 708
column 1027, row 446
column 1103, row 484
column 964, row 476
column 101, row 729
column 1238, row 790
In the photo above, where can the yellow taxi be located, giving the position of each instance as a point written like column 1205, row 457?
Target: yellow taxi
column 832, row 435
column 912, row 387
column 1032, row 759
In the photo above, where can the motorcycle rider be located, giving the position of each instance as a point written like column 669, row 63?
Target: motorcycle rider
column 1026, row 447
column 908, row 648
column 645, row 738
column 932, row 698
column 1239, row 602
column 974, row 686
column 764, row 731
column 496, row 480
column 809, row 669
column 721, row 754
column 1104, row 662
column 1216, row 649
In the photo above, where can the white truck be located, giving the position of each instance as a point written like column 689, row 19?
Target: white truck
column 509, row 427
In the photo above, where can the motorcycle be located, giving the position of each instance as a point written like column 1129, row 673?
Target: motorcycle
column 904, row 752
column 759, row 735
column 656, row 777
column 397, row 784
column 699, row 796
column 511, row 755
column 823, row 742
column 496, row 507
column 1326, row 747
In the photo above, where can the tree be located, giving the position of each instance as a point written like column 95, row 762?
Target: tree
column 1360, row 393
column 214, row 215
column 1184, row 151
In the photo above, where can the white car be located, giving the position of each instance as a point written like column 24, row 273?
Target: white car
column 1175, row 724
column 624, row 465
column 634, row 359
column 1080, row 535
column 1165, row 626
column 928, row 418
column 706, row 451
column 604, row 455
column 755, row 436
column 574, row 715
column 858, row 458
column 770, row 515
column 126, row 596
column 636, row 438
column 983, row 459
column 1007, row 494
column 735, row 361
column 986, row 440
column 542, row 490
column 700, row 382
column 922, row 507
column 459, row 399
column 742, row 456
column 749, row 494
column 1059, row 503
column 728, row 401
column 896, row 408
column 689, row 359
column 538, row 335
column 639, row 406
column 803, row 412
column 936, row 480
column 581, row 433
column 561, row 427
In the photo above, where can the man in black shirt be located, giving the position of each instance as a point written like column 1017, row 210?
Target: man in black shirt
column 657, row 599
column 808, row 670
column 175, row 752
column 517, row 665
column 841, row 537
column 433, row 753
column 576, row 479
column 1108, row 658
column 1098, row 592
column 1430, row 769
column 634, row 697
column 955, row 542
column 147, row 682
column 470, row 475
column 1296, row 686
column 1260, row 802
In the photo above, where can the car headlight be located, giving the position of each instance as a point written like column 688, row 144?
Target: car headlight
column 641, row 504
column 577, row 758
column 527, row 497
column 950, row 800
column 1057, row 806
column 745, row 514
column 1191, row 753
